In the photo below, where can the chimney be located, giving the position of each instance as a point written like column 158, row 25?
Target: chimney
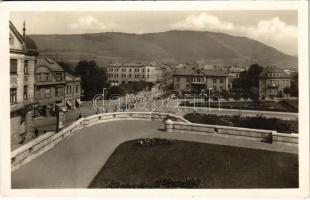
column 24, row 28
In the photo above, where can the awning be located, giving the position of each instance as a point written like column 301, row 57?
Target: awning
column 78, row 101
column 69, row 103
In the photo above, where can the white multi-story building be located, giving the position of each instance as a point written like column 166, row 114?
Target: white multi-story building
column 130, row 72
column 23, row 56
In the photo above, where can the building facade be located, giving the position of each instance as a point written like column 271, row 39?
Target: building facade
column 55, row 88
column 49, row 87
column 131, row 72
column 272, row 82
column 23, row 55
column 72, row 91
column 195, row 80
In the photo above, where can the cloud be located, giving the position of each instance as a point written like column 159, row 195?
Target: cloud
column 89, row 23
column 204, row 21
column 273, row 32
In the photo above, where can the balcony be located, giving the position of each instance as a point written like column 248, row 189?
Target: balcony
column 40, row 83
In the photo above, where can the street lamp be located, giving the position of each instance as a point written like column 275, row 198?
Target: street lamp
column 210, row 98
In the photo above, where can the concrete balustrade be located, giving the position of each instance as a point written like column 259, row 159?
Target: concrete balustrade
column 256, row 134
column 38, row 146
column 173, row 123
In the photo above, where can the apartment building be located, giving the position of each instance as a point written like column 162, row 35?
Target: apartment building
column 23, row 56
column 272, row 82
column 55, row 87
column 195, row 79
column 50, row 87
column 119, row 73
column 72, row 91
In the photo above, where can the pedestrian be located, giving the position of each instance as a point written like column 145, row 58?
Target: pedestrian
column 36, row 132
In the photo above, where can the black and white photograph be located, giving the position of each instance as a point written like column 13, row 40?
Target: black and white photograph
column 157, row 98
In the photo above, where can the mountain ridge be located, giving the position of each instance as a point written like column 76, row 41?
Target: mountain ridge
column 175, row 45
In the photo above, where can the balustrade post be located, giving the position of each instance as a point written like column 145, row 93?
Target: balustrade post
column 168, row 125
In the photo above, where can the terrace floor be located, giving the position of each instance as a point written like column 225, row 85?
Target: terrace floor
column 76, row 161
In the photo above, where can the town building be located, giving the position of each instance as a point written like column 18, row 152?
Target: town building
column 119, row 73
column 73, row 91
column 23, row 55
column 50, row 87
column 272, row 82
column 55, row 88
column 196, row 79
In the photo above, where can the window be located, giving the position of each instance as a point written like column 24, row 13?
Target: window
column 13, row 66
column 45, row 77
column 178, row 79
column 26, row 67
column 221, row 80
column 129, row 75
column 38, row 77
column 129, row 69
column 13, row 96
column 47, row 92
column 59, row 91
column 148, row 70
column 214, row 80
column 123, row 75
column 142, row 70
column 58, row 76
column 77, row 89
column 25, row 92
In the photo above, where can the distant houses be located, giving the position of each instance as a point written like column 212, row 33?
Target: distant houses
column 272, row 82
column 37, row 85
column 119, row 73
column 195, row 80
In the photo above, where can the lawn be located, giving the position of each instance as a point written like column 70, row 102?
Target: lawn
column 282, row 106
column 279, row 125
column 199, row 165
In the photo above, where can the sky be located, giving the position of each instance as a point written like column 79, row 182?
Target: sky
column 278, row 29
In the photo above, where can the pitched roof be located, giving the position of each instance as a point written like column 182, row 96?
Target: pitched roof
column 51, row 64
column 29, row 45
column 132, row 64
column 273, row 69
column 198, row 72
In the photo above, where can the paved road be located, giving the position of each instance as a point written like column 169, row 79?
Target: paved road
column 75, row 162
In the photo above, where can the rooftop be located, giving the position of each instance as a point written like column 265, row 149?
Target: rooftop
column 51, row 64
column 198, row 72
column 274, row 69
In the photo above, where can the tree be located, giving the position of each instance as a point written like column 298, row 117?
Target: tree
column 93, row 78
column 67, row 67
column 116, row 91
column 294, row 85
column 248, row 82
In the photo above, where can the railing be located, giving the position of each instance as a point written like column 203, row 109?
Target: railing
column 267, row 136
column 33, row 149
